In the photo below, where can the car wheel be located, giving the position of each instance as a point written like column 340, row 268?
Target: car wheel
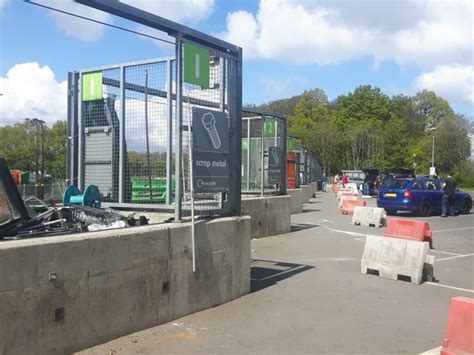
column 466, row 207
column 425, row 209
column 391, row 212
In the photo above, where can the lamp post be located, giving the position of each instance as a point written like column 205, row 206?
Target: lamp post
column 432, row 169
column 39, row 156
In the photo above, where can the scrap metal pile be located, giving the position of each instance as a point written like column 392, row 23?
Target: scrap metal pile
column 20, row 219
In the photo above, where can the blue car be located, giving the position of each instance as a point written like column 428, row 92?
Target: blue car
column 422, row 196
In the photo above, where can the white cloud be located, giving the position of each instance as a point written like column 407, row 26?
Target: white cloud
column 423, row 33
column 177, row 10
column 3, row 4
column 453, row 82
column 29, row 90
column 76, row 27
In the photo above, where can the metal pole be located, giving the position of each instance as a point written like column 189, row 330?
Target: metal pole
column 147, row 138
column 169, row 129
column 432, row 153
column 284, row 135
column 36, row 161
column 41, row 194
column 262, row 148
column 178, row 131
column 122, row 135
column 248, row 154
column 191, row 188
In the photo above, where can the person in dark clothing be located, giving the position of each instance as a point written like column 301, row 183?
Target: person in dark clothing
column 449, row 191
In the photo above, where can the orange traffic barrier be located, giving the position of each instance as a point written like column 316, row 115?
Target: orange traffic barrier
column 350, row 194
column 459, row 335
column 408, row 229
column 16, row 175
column 348, row 206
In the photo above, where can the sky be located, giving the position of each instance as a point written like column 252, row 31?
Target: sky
column 401, row 46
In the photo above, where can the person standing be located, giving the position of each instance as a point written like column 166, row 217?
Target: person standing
column 449, row 192
column 345, row 180
column 324, row 182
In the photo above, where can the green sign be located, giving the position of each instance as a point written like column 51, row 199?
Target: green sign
column 196, row 65
column 297, row 144
column 289, row 144
column 245, row 144
column 92, row 86
column 269, row 127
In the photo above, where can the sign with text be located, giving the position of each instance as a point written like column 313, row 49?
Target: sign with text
column 211, row 155
column 275, row 165
column 269, row 127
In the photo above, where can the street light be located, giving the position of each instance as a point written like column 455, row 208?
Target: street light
column 39, row 156
column 432, row 169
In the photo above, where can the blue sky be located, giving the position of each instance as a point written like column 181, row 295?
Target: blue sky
column 289, row 46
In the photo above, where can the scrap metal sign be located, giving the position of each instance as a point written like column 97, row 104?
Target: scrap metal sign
column 211, row 171
column 275, row 165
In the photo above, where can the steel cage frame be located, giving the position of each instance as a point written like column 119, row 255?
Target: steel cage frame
column 254, row 114
column 182, row 34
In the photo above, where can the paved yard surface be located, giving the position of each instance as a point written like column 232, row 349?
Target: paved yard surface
column 309, row 297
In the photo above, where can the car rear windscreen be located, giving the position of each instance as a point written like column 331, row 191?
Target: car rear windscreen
column 395, row 184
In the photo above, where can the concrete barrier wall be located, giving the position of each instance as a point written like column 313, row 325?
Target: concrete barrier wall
column 113, row 283
column 270, row 215
column 296, row 200
column 306, row 193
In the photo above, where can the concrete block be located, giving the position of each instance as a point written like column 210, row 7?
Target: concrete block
column 270, row 215
column 278, row 215
column 369, row 216
column 392, row 257
column 306, row 193
column 255, row 207
column 296, row 200
column 346, row 198
column 113, row 283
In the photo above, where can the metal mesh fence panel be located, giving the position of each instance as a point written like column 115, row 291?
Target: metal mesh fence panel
column 146, row 134
column 127, row 118
column 263, row 162
column 100, row 133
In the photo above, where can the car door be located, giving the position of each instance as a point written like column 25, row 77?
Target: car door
column 434, row 193
column 417, row 191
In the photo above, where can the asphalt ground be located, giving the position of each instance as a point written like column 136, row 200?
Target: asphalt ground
column 309, row 297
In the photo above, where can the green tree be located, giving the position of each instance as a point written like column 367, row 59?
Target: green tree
column 18, row 147
column 365, row 103
column 431, row 108
column 452, row 144
column 55, row 150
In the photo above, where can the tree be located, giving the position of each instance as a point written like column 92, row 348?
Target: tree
column 452, row 143
column 365, row 103
column 431, row 108
column 17, row 146
column 55, row 150
column 404, row 108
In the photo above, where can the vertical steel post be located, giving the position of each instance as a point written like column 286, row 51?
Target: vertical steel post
column 222, row 84
column 178, row 128
column 80, row 140
column 235, row 141
column 71, row 127
column 248, row 154
column 122, row 135
column 262, row 161
column 283, row 138
column 169, row 130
